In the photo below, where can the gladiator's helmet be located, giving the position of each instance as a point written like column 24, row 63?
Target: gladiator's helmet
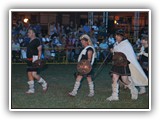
column 120, row 32
column 84, row 67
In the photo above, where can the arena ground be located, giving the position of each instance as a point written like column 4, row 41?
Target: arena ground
column 61, row 80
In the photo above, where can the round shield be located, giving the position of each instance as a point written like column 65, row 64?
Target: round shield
column 84, row 67
column 39, row 63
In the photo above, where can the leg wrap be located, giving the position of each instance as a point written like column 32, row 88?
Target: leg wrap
column 133, row 90
column 142, row 90
column 115, row 92
column 31, row 87
column 43, row 83
column 91, row 89
column 75, row 89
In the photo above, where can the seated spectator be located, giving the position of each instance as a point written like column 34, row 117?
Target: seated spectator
column 14, row 31
column 47, row 50
column 96, row 46
column 103, row 49
column 23, row 31
column 23, row 46
column 56, row 42
column 45, row 38
column 70, row 51
column 76, row 50
column 15, row 51
column 111, row 40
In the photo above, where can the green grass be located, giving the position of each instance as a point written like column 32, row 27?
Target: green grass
column 61, row 80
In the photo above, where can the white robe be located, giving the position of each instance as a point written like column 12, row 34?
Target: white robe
column 84, row 53
column 137, row 74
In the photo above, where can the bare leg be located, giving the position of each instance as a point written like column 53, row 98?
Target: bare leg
column 30, row 77
column 30, row 83
column 125, row 80
column 41, row 81
column 36, row 76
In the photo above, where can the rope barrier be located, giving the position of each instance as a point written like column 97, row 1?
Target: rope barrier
column 58, row 55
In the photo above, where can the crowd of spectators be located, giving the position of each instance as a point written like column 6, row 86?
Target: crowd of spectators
column 61, row 43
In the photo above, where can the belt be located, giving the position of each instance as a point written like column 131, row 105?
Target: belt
column 29, row 59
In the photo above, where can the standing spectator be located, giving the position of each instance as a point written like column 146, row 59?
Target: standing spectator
column 103, row 49
column 51, row 28
column 143, row 58
column 38, row 28
column 102, row 30
column 86, row 28
column 19, row 25
column 68, row 30
column 80, row 29
column 62, row 30
column 58, row 26
column 96, row 29
column 71, row 26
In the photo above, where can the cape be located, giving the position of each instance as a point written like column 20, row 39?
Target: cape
column 137, row 74
column 84, row 52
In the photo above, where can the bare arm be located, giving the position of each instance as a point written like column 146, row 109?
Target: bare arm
column 39, row 51
column 90, row 53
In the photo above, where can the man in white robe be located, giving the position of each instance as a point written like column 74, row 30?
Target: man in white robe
column 137, row 76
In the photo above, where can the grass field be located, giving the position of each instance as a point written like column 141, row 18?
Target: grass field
column 61, row 80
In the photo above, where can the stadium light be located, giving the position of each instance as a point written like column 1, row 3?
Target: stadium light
column 115, row 21
column 25, row 20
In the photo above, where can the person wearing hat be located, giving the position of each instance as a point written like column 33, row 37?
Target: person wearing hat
column 125, row 67
column 143, row 59
column 34, row 51
column 142, row 56
column 88, row 53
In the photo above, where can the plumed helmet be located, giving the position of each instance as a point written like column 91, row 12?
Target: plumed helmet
column 120, row 32
column 84, row 67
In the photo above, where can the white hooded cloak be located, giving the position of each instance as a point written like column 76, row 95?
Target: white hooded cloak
column 137, row 74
